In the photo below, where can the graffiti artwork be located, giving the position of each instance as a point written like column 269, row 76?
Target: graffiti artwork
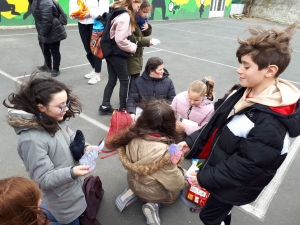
column 17, row 12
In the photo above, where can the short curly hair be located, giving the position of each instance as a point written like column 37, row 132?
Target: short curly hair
column 268, row 47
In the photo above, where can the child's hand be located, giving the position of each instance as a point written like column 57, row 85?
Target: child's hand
column 180, row 126
column 183, row 145
column 145, row 26
column 89, row 147
column 193, row 179
column 81, row 170
column 133, row 117
column 87, row 15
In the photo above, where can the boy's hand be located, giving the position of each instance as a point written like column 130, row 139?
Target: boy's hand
column 145, row 26
column 193, row 179
column 183, row 145
column 81, row 170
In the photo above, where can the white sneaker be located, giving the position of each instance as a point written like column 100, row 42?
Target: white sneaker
column 89, row 75
column 94, row 80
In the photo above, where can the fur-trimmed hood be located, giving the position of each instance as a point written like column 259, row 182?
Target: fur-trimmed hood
column 151, row 174
column 145, row 156
column 21, row 120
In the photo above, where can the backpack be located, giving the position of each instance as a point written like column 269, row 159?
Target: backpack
column 119, row 120
column 62, row 16
column 101, row 44
column 93, row 191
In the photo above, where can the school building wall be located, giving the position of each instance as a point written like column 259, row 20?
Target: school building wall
column 281, row 11
column 16, row 12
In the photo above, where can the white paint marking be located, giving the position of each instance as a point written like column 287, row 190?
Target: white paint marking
column 292, row 81
column 198, row 33
column 85, row 117
column 259, row 207
column 188, row 56
column 95, row 122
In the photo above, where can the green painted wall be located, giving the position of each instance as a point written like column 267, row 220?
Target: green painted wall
column 15, row 12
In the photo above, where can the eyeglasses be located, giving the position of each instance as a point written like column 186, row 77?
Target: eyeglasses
column 62, row 108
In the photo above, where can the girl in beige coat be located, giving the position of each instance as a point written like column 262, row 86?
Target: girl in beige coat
column 144, row 153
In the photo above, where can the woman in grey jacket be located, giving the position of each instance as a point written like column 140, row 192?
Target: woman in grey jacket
column 50, row 33
column 38, row 113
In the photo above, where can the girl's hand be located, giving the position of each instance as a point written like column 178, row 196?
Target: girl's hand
column 180, row 126
column 133, row 117
column 87, row 15
column 183, row 145
column 81, row 170
column 145, row 26
column 89, row 147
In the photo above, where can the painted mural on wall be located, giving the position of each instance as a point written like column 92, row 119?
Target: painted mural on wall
column 16, row 12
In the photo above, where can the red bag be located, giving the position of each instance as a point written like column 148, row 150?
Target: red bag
column 93, row 191
column 119, row 120
column 197, row 195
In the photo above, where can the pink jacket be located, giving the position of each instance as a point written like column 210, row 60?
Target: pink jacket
column 200, row 114
column 120, row 30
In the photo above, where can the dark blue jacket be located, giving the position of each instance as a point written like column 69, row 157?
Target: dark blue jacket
column 49, row 28
column 146, row 88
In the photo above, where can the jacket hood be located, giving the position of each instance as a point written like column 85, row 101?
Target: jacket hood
column 149, row 163
column 282, row 93
column 146, row 76
column 21, row 120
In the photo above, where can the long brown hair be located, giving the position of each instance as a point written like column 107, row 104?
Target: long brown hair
column 19, row 198
column 40, row 91
column 157, row 117
column 127, row 4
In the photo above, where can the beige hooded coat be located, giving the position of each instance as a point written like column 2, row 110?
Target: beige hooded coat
column 151, row 174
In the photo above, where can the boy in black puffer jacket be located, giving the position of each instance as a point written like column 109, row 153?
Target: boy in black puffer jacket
column 248, row 136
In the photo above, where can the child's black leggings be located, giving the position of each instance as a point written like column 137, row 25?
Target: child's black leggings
column 215, row 212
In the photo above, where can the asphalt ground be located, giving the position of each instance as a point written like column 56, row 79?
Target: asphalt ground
column 190, row 49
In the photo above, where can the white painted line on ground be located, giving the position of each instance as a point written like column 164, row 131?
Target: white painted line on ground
column 259, row 207
column 188, row 56
column 292, row 81
column 8, row 35
column 85, row 117
column 70, row 67
column 198, row 33
column 94, row 122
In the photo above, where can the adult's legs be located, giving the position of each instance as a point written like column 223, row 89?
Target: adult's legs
column 215, row 212
column 85, row 31
column 47, row 55
column 54, row 49
column 117, row 68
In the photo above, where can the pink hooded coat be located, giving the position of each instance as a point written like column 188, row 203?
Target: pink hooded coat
column 200, row 114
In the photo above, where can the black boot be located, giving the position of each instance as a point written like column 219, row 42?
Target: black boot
column 44, row 68
column 105, row 108
column 55, row 73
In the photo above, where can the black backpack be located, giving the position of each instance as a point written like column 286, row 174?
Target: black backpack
column 109, row 46
column 62, row 16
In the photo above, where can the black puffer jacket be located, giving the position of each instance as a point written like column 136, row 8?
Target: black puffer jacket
column 146, row 88
column 49, row 28
column 246, row 151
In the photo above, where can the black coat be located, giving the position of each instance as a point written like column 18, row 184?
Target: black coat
column 49, row 28
column 146, row 88
column 246, row 151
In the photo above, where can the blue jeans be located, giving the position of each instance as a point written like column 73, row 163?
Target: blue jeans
column 53, row 219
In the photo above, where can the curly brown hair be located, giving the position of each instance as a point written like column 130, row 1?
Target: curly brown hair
column 157, row 117
column 268, row 47
column 40, row 91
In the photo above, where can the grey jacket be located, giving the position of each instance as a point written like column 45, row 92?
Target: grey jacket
column 48, row 162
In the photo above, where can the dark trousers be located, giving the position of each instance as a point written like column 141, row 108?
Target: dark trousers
column 51, row 51
column 130, row 80
column 85, row 31
column 215, row 212
column 117, row 69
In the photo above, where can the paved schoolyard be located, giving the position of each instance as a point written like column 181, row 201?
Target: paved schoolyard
column 191, row 49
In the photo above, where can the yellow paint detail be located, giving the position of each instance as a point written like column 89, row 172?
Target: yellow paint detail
column 206, row 2
column 21, row 7
column 227, row 2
